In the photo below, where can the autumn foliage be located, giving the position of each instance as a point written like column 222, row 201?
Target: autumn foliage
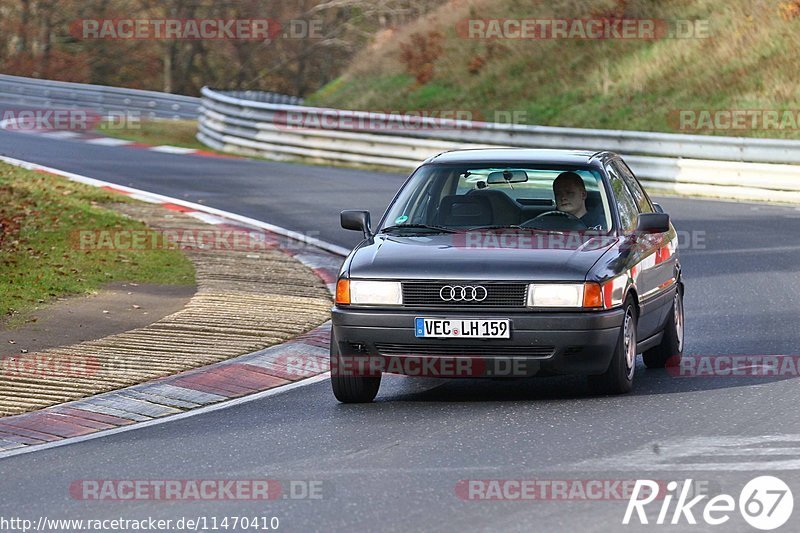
column 420, row 53
column 790, row 10
column 38, row 39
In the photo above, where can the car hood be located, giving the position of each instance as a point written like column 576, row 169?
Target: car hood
column 488, row 255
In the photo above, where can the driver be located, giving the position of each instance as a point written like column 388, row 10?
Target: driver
column 570, row 194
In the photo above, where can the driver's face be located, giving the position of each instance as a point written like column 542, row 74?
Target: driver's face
column 570, row 198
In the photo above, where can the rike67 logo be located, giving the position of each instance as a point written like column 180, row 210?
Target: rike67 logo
column 765, row 502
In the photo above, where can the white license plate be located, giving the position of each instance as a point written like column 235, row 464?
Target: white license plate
column 462, row 328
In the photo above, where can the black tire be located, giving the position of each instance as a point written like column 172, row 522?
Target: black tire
column 349, row 388
column 618, row 378
column 670, row 350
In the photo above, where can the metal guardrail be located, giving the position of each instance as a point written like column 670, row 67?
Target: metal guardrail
column 727, row 167
column 265, row 97
column 34, row 92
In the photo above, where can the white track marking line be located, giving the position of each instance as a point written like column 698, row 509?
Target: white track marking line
column 61, row 134
column 172, row 149
column 109, row 141
column 699, row 453
column 205, row 217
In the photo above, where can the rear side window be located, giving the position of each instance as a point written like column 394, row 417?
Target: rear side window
column 626, row 205
column 636, row 190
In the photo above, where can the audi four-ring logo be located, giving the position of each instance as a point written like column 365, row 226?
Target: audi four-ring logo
column 458, row 293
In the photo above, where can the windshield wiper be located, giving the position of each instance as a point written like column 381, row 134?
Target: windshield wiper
column 439, row 229
column 514, row 226
column 503, row 226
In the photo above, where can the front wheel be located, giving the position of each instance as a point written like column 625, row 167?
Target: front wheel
column 618, row 378
column 347, row 387
column 670, row 350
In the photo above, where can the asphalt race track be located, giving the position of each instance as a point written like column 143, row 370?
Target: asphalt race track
column 287, row 195
column 396, row 464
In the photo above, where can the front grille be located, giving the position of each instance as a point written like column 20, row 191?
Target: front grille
column 427, row 294
column 454, row 350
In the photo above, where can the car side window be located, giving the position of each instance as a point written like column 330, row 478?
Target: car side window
column 626, row 205
column 639, row 195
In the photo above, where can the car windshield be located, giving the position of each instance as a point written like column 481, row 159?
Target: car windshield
column 466, row 197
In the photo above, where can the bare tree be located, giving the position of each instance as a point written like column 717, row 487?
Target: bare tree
column 36, row 40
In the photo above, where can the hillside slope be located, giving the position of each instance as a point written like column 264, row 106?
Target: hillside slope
column 749, row 61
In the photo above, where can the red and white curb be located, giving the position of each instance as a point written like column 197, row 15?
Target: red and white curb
column 301, row 361
column 192, row 208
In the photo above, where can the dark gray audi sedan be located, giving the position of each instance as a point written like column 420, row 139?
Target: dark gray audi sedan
column 506, row 263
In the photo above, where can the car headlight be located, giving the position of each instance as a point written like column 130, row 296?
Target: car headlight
column 362, row 292
column 571, row 295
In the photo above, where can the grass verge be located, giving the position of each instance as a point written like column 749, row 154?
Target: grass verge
column 157, row 132
column 40, row 215
column 740, row 58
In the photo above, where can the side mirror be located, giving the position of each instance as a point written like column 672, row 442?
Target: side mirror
column 658, row 208
column 357, row 220
column 653, row 223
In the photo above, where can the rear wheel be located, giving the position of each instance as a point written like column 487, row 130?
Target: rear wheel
column 618, row 378
column 670, row 350
column 347, row 387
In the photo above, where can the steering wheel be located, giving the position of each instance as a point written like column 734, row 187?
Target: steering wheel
column 556, row 220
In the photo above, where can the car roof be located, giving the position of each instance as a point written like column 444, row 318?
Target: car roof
column 522, row 155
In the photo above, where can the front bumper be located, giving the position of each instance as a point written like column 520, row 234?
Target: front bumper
column 540, row 343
